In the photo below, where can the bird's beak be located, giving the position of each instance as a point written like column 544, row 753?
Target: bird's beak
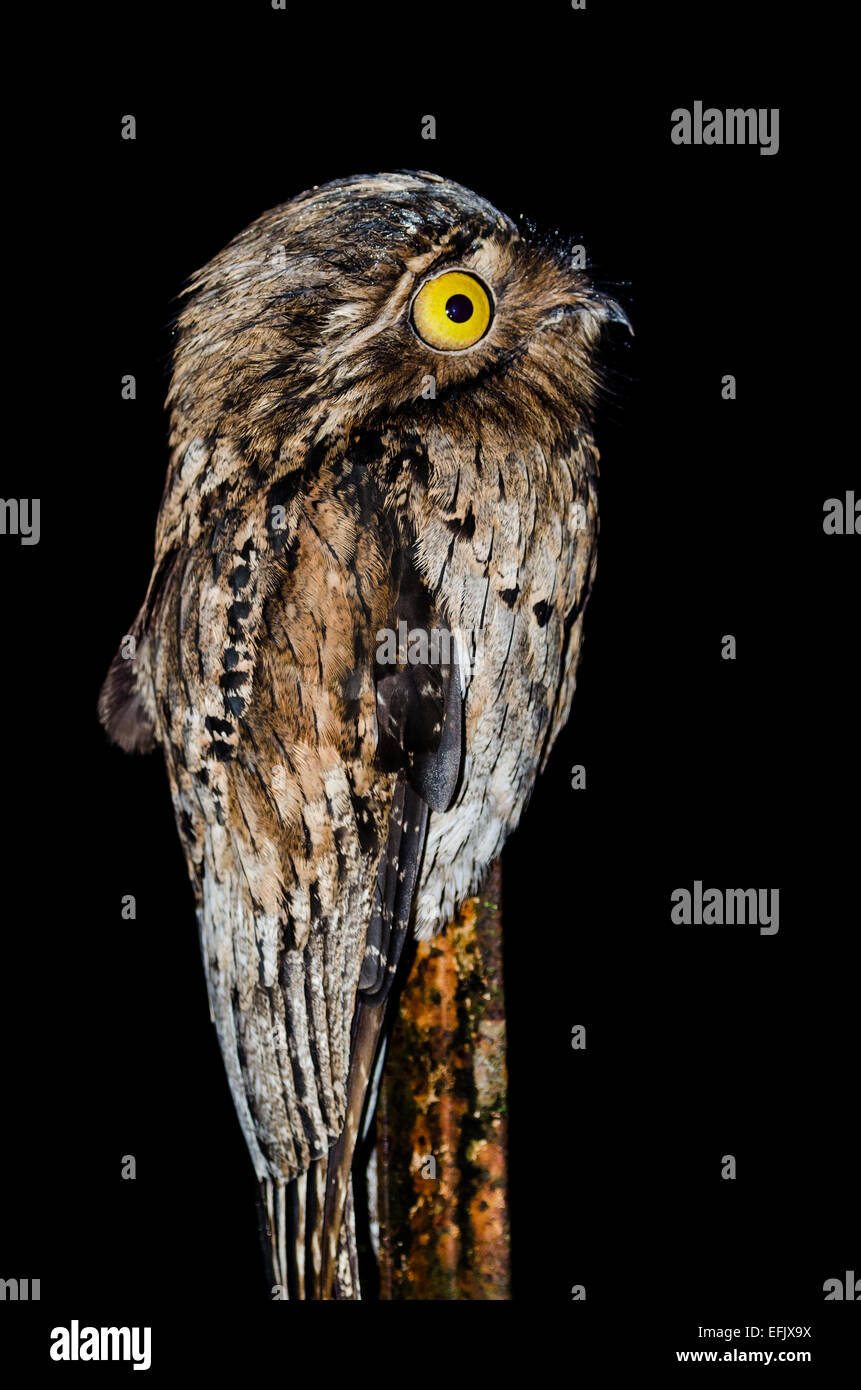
column 613, row 312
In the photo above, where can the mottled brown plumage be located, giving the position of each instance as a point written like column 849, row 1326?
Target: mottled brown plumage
column 321, row 488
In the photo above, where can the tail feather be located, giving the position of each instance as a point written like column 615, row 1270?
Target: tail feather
column 311, row 1222
column 346, row 1284
column 338, row 1181
column 306, row 1260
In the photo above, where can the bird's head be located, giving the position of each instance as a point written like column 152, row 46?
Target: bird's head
column 398, row 299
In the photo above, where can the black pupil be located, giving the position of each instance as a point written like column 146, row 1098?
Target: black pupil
column 459, row 308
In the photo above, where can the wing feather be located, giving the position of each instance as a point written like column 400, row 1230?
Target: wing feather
column 301, row 775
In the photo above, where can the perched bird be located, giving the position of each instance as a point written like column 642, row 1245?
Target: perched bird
column 359, row 642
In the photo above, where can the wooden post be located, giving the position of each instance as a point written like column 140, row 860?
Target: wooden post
column 441, row 1121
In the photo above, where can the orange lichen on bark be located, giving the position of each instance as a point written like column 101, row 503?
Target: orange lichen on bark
column 442, row 1125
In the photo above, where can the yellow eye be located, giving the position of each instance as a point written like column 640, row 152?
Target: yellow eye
column 452, row 311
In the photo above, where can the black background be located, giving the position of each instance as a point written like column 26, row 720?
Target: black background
column 701, row 1041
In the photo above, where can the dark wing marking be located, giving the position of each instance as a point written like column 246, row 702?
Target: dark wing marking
column 419, row 709
column 393, row 898
column 436, row 772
